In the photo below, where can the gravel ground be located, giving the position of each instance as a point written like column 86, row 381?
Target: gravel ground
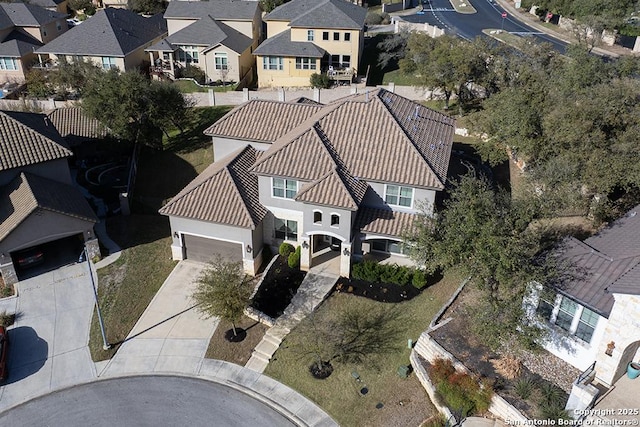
column 551, row 368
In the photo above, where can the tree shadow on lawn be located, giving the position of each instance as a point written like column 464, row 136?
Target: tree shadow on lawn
column 134, row 230
column 193, row 137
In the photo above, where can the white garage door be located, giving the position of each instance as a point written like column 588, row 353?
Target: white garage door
column 203, row 250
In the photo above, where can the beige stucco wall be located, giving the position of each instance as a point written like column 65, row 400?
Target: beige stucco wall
column 288, row 77
column 51, row 30
column 175, row 25
column 14, row 76
column 94, row 59
column 234, row 67
column 341, row 47
column 276, row 27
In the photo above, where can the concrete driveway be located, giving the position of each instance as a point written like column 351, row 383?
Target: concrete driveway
column 48, row 342
column 171, row 336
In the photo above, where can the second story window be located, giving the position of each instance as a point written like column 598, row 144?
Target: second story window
column 335, row 220
column 336, row 37
column 317, row 217
column 347, row 37
column 108, row 62
column 397, row 195
column 325, row 35
column 8, row 63
column 309, row 35
column 284, row 188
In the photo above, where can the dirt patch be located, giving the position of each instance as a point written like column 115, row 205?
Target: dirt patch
column 278, row 288
column 235, row 352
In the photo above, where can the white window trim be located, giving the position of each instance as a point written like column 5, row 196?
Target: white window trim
column 387, row 241
column 386, row 186
column 331, row 220
column 285, row 188
column 321, row 217
column 224, row 60
column 286, row 238
column 574, row 321
column 310, row 35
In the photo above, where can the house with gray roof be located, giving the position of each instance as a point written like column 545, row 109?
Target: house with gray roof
column 25, row 27
column 306, row 37
column 112, row 38
column 217, row 36
column 343, row 180
column 595, row 315
column 39, row 204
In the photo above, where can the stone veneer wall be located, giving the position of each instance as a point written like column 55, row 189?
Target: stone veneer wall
column 623, row 328
column 430, row 350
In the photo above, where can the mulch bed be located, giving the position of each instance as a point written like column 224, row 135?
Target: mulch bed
column 383, row 292
column 278, row 288
column 457, row 338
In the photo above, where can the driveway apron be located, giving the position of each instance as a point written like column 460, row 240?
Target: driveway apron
column 48, row 341
column 171, row 335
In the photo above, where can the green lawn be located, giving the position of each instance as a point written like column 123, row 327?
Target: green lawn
column 400, row 78
column 127, row 286
column 404, row 401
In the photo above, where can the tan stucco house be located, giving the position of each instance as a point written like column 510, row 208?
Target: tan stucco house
column 594, row 319
column 306, row 37
column 341, row 180
column 25, row 27
column 112, row 38
column 39, row 205
column 217, row 36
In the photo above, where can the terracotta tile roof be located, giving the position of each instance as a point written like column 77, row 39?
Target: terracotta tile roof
column 379, row 136
column 28, row 138
column 606, row 263
column 335, row 188
column 28, row 193
column 263, row 121
column 224, row 193
column 73, row 122
column 384, row 222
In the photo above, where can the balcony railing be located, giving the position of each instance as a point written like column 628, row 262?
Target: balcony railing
column 345, row 74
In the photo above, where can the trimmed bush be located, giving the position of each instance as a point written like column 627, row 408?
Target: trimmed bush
column 286, row 249
column 458, row 390
column 193, row 72
column 371, row 271
column 321, row 81
column 294, row 258
column 419, row 279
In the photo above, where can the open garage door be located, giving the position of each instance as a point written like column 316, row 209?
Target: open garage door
column 204, row 250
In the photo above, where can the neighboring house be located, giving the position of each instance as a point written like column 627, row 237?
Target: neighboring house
column 38, row 203
column 25, row 27
column 112, row 38
column 595, row 317
column 311, row 36
column 52, row 5
column 341, row 180
column 217, row 36
column 75, row 126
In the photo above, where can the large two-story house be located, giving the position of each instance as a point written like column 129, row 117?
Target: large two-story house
column 594, row 318
column 306, row 37
column 112, row 38
column 25, row 27
column 217, row 36
column 346, row 178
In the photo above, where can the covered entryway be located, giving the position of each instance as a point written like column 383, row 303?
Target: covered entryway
column 203, row 249
column 325, row 249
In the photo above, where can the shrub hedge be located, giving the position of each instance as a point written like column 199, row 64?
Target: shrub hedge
column 285, row 249
column 372, row 271
column 294, row 258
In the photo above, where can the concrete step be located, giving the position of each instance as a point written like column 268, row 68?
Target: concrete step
column 272, row 339
column 267, row 348
column 256, row 364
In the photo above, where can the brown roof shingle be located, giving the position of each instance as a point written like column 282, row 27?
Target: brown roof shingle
column 28, row 138
column 263, row 121
column 75, row 122
column 224, row 193
column 384, row 222
column 379, row 136
column 27, row 193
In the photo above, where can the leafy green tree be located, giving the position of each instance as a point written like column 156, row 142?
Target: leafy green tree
column 76, row 5
column 72, row 76
column 321, row 81
column 147, row 6
column 488, row 236
column 223, row 290
column 37, row 84
column 392, row 49
column 132, row 106
column 269, row 5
